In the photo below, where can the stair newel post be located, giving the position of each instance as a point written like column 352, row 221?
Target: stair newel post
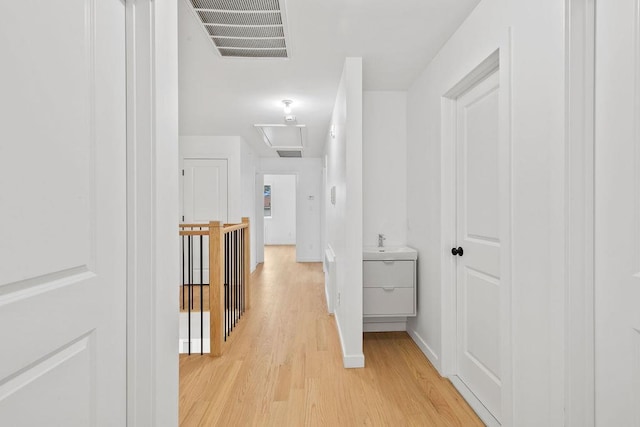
column 216, row 287
column 247, row 264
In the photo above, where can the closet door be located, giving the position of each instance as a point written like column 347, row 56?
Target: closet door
column 478, row 230
column 62, row 213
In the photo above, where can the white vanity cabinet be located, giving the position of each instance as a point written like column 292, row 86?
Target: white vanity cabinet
column 389, row 287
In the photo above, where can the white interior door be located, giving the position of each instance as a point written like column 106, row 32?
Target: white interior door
column 205, row 190
column 478, row 267
column 617, row 215
column 62, row 213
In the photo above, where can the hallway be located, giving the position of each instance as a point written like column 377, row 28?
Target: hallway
column 283, row 366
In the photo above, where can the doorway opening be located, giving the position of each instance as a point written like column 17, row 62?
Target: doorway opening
column 279, row 211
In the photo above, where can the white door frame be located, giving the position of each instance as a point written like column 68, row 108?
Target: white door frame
column 152, row 209
column 260, row 211
column 181, row 178
column 579, row 362
column 499, row 60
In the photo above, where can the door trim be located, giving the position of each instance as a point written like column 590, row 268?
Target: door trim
column 152, row 209
column 499, row 60
column 181, row 178
column 260, row 211
column 579, row 360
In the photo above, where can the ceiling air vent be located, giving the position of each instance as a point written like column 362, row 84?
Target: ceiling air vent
column 289, row 153
column 245, row 28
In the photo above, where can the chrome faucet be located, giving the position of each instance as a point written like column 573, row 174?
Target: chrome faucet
column 381, row 240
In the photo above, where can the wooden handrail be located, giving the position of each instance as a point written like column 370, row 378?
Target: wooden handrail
column 217, row 230
column 238, row 251
column 203, row 225
column 194, row 232
column 234, row 227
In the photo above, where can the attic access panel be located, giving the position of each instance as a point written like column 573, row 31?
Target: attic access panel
column 245, row 28
column 283, row 137
column 290, row 153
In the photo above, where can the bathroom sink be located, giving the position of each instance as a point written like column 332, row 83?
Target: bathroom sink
column 389, row 253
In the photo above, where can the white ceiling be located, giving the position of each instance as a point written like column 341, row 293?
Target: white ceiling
column 227, row 96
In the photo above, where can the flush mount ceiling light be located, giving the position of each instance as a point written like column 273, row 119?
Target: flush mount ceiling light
column 287, row 106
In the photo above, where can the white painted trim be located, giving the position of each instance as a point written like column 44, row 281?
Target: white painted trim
column 259, row 215
column 477, row 406
column 428, row 352
column 381, row 324
column 448, row 363
column 260, row 211
column 353, row 361
column 181, row 177
column 152, row 206
column 311, row 259
column 499, row 60
column 579, row 220
column 506, row 235
column 348, row 360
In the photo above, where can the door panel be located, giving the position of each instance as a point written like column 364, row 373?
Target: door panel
column 205, row 200
column 62, row 222
column 205, row 190
column 617, row 215
column 478, row 270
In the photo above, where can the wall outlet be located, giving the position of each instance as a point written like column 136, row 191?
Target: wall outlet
column 338, row 302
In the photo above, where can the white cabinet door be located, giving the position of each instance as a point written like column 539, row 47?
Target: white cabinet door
column 617, row 215
column 205, row 190
column 478, row 270
column 62, row 213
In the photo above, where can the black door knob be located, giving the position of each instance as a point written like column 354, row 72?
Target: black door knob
column 457, row 251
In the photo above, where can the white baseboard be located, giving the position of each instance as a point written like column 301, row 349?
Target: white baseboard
column 431, row 355
column 482, row 412
column 353, row 361
column 378, row 324
column 309, row 259
column 348, row 360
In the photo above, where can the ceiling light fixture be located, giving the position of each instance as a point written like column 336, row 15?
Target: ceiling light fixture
column 287, row 106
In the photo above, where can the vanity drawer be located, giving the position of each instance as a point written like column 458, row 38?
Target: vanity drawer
column 388, row 301
column 399, row 274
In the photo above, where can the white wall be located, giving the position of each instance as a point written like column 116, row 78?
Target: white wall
column 309, row 187
column 241, row 169
column 280, row 228
column 537, row 155
column 384, row 167
column 248, row 161
column 344, row 218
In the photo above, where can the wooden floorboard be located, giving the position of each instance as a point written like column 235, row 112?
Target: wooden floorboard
column 283, row 366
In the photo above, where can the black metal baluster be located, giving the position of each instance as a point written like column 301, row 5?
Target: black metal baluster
column 182, row 256
column 201, row 298
column 237, row 284
column 233, row 271
column 226, row 287
column 244, row 291
column 190, row 261
column 240, row 277
column 229, row 266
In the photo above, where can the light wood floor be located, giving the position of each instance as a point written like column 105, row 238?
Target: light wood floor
column 195, row 291
column 283, row 366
